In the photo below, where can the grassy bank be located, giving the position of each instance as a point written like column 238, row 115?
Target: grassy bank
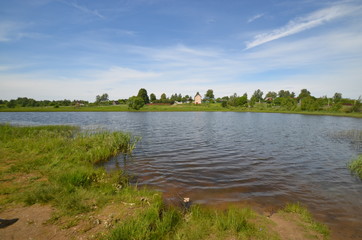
column 356, row 166
column 213, row 107
column 54, row 166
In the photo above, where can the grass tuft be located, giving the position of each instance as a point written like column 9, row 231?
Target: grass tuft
column 306, row 216
column 356, row 166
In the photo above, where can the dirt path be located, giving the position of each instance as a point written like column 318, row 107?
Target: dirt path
column 290, row 228
column 38, row 223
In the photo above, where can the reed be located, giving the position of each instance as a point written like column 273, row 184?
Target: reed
column 354, row 136
column 356, row 166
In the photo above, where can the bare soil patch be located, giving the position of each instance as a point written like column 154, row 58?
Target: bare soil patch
column 39, row 222
column 290, row 227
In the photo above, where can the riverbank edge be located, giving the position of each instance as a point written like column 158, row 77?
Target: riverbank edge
column 174, row 109
column 31, row 177
column 356, row 166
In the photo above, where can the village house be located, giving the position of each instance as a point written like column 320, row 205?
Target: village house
column 198, row 98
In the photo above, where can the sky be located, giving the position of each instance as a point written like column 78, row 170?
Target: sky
column 77, row 49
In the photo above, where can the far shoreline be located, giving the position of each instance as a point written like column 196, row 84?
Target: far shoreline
column 172, row 108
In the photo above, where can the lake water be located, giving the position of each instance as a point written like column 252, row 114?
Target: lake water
column 259, row 159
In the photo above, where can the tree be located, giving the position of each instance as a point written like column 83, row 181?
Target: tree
column 356, row 107
column 304, row 93
column 337, row 97
column 11, row 103
column 242, row 101
column 135, row 103
column 310, row 104
column 142, row 93
column 232, row 100
column 163, row 96
column 237, row 101
column 272, row 95
column 209, row 94
column 283, row 93
column 258, row 95
column 153, row 97
column 288, row 103
column 103, row 98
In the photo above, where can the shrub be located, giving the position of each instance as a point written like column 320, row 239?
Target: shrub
column 135, row 103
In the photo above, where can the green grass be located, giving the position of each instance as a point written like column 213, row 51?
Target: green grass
column 306, row 217
column 160, row 222
column 55, row 165
column 356, row 166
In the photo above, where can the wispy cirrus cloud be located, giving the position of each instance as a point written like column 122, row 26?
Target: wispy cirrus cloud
column 255, row 17
column 84, row 9
column 11, row 31
column 300, row 24
column 7, row 31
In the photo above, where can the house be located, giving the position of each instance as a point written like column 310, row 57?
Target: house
column 268, row 99
column 198, row 98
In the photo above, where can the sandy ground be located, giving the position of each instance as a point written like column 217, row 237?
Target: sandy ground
column 37, row 223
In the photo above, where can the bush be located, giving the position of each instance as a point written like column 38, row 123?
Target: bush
column 135, row 103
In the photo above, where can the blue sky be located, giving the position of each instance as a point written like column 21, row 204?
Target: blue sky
column 56, row 49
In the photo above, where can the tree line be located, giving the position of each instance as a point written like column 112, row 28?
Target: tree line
column 29, row 102
column 284, row 100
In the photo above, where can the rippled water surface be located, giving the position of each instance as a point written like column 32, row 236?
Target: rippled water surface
column 262, row 159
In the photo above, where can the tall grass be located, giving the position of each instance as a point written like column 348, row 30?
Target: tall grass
column 356, row 166
column 157, row 222
column 198, row 223
column 62, row 158
column 354, row 136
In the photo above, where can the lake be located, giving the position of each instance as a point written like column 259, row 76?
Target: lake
column 262, row 160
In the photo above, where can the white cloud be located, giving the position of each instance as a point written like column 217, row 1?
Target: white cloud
column 303, row 23
column 116, row 81
column 84, row 9
column 324, row 64
column 5, row 68
column 10, row 31
column 7, row 30
column 117, row 74
column 255, row 17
